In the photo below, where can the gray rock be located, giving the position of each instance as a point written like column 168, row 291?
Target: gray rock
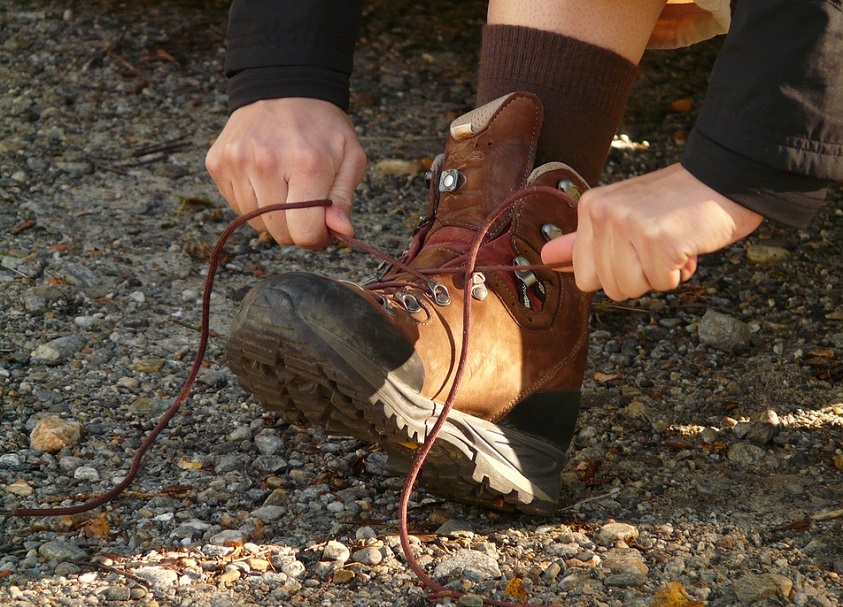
column 58, row 550
column 367, row 556
column 335, row 551
column 227, row 535
column 267, row 514
column 613, row 532
column 745, row 453
column 270, row 463
column 117, row 593
column 58, row 350
column 456, row 528
column 762, row 433
column 470, row 563
column 752, row 589
column 268, row 442
column 294, row 569
column 86, row 473
column 159, row 577
column 724, row 332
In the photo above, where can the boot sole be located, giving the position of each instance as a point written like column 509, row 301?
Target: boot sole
column 309, row 376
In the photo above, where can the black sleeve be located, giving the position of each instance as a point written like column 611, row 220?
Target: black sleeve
column 291, row 48
column 770, row 132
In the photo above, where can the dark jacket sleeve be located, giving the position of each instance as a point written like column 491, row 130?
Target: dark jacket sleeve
column 770, row 132
column 291, row 48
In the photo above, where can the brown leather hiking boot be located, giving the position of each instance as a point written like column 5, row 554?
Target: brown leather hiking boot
column 377, row 361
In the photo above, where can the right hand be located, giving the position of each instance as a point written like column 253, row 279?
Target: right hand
column 290, row 150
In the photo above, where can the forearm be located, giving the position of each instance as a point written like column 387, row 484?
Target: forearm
column 770, row 133
column 289, row 48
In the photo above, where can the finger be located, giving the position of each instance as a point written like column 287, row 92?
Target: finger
column 307, row 226
column 272, row 191
column 560, row 250
column 349, row 176
column 688, row 269
column 585, row 269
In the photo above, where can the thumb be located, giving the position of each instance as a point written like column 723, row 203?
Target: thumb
column 559, row 250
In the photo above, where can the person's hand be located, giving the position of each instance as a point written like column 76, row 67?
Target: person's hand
column 645, row 233
column 290, row 150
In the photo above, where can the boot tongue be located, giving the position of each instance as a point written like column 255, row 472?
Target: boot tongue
column 488, row 157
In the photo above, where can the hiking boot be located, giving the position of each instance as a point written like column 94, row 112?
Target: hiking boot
column 378, row 361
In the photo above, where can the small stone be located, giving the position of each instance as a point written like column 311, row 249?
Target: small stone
column 58, row 350
column 627, row 568
column 137, row 297
column 762, row 433
column 270, row 463
column 766, row 254
column 20, row 488
column 745, row 453
column 552, row 571
column 397, row 166
column 259, row 565
column 756, row 588
column 86, row 473
column 130, row 383
column 267, row 514
column 455, row 528
column 722, row 332
column 325, row 569
column 10, row 460
column 53, row 434
column 147, row 407
column 268, row 442
column 226, row 536
column 58, row 550
column 66, row 569
column 293, row 569
column 228, row 576
column 470, row 600
column 614, row 532
column 87, row 322
column 118, row 593
column 365, row 533
column 336, row 551
column 343, row 576
column 159, row 577
column 367, row 556
column 470, row 563
column 150, row 364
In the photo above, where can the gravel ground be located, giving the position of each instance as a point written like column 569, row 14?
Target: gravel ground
column 708, row 464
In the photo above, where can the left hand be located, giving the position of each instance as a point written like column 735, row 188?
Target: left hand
column 645, row 233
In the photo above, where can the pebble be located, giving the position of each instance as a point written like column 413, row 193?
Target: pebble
column 58, row 350
column 59, row 550
column 470, row 600
column 342, row 576
column 724, row 332
column 20, row 488
column 367, row 556
column 766, row 254
column 614, row 532
column 267, row 514
column 226, row 536
column 335, row 551
column 53, row 434
column 752, row 589
column 86, row 473
column 471, row 564
column 268, row 442
column 159, row 577
column 745, row 453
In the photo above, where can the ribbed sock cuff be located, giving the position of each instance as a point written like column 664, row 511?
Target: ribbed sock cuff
column 584, row 90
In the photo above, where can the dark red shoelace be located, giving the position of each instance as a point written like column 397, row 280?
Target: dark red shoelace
column 438, row 590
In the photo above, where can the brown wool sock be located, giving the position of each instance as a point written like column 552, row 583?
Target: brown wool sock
column 583, row 88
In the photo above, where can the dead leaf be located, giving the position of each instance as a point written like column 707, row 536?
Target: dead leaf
column 5, row 573
column 97, row 527
column 515, row 590
column 836, row 315
column 604, row 377
column 29, row 223
column 680, row 106
column 674, row 595
column 186, row 464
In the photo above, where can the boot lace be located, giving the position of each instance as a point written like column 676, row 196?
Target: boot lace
column 404, row 277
